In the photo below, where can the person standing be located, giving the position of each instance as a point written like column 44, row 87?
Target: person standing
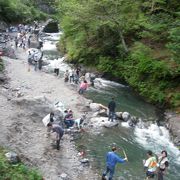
column 16, row 42
column 83, row 87
column 111, row 160
column 59, row 133
column 111, row 108
column 40, row 61
column 66, row 76
column 71, row 76
column 150, row 165
column 163, row 164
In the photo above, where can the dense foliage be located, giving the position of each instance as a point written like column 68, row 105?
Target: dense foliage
column 20, row 11
column 135, row 40
column 16, row 172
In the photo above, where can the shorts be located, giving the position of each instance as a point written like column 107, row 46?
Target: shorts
column 150, row 174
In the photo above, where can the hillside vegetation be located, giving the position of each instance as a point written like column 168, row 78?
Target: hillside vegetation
column 17, row 171
column 14, row 11
column 137, row 41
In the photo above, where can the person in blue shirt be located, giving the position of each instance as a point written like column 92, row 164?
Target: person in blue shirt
column 111, row 160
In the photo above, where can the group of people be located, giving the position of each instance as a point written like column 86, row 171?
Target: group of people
column 153, row 166
column 156, row 165
column 73, row 76
column 68, row 122
column 35, row 58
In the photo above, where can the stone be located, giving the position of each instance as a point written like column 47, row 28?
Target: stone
column 64, row 176
column 12, row 157
column 126, row 116
column 103, row 113
column 103, row 122
column 94, row 107
column 110, row 124
column 88, row 102
column 119, row 115
column 3, row 78
column 38, row 105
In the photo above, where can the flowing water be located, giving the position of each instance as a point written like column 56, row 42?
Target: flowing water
column 135, row 141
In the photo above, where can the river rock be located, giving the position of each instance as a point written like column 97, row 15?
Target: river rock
column 119, row 115
column 126, row 116
column 94, row 107
column 102, row 122
column 103, row 113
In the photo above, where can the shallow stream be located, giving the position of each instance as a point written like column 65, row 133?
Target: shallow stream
column 135, row 141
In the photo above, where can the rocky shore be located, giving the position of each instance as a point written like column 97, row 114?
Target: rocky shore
column 27, row 96
column 173, row 124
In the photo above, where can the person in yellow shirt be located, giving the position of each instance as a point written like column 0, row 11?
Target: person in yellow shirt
column 150, row 165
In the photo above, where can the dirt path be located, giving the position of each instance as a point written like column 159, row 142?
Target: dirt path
column 22, row 129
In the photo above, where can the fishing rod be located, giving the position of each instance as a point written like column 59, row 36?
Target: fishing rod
column 121, row 148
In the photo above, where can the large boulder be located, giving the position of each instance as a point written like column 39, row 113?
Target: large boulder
column 126, row 116
column 39, row 105
column 103, row 113
column 102, row 122
column 95, row 107
column 51, row 26
column 119, row 115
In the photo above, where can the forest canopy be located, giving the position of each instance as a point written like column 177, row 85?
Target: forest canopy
column 135, row 40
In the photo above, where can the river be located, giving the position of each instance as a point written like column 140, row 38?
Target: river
column 135, row 141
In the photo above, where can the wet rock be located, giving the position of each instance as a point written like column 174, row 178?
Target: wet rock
column 103, row 113
column 94, row 107
column 103, row 122
column 12, row 157
column 110, row 124
column 174, row 127
column 126, row 116
column 133, row 121
column 119, row 115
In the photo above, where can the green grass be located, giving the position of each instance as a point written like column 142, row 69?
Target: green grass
column 16, row 172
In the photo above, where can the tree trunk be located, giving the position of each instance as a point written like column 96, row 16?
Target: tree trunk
column 123, row 41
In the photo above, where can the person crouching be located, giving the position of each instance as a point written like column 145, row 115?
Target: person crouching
column 68, row 119
column 59, row 133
